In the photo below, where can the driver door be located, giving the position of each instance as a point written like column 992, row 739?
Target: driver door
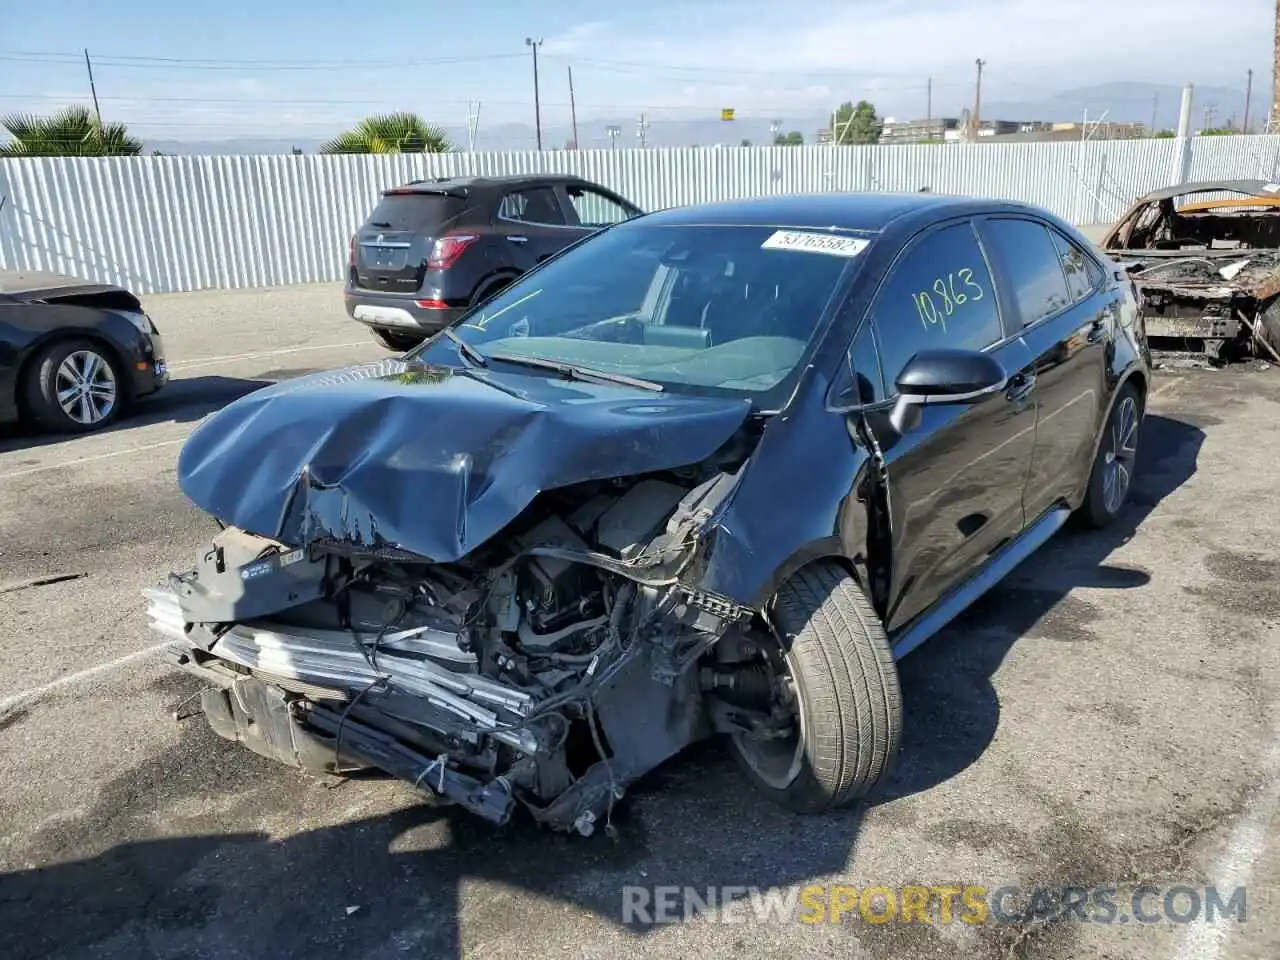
column 956, row 481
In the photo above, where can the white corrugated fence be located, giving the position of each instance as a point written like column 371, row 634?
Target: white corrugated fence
column 168, row 224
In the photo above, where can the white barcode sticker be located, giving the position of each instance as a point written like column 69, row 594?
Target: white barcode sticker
column 828, row 243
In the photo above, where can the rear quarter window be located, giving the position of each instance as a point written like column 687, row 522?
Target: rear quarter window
column 1082, row 271
column 938, row 294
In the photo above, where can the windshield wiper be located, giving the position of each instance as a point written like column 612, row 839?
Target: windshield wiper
column 571, row 371
column 466, row 350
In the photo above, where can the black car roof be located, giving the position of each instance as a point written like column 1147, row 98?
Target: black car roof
column 468, row 184
column 871, row 212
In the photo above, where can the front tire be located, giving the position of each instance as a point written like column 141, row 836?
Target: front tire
column 73, row 386
column 399, row 342
column 844, row 691
column 1111, row 479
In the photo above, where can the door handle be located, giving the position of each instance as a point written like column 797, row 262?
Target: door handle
column 518, row 239
column 1020, row 387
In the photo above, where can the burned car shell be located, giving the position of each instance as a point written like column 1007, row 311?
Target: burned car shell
column 427, row 462
column 1207, row 271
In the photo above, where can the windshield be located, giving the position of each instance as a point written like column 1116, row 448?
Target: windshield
column 701, row 309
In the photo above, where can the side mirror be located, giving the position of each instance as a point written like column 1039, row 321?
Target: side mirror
column 943, row 376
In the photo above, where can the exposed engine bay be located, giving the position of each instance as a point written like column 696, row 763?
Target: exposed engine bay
column 551, row 666
column 1208, row 270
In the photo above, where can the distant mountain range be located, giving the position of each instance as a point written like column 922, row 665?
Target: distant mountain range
column 1120, row 102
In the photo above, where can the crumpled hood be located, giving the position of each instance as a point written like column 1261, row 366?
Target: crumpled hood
column 430, row 459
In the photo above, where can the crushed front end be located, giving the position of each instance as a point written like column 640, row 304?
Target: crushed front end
column 551, row 666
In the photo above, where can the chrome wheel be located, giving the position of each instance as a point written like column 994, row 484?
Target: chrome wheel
column 1117, row 466
column 86, row 388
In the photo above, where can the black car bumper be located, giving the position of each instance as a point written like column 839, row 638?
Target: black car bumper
column 400, row 314
column 149, row 370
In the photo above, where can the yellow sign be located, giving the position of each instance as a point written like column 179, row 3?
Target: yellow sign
column 726, row 113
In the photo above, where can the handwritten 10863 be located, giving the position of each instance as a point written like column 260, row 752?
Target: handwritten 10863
column 951, row 291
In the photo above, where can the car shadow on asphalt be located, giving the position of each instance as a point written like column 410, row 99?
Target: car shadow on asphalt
column 392, row 885
column 184, row 400
column 951, row 708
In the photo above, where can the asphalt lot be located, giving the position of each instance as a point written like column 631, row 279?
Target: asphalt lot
column 1108, row 716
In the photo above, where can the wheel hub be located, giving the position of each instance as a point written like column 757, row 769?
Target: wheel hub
column 85, row 386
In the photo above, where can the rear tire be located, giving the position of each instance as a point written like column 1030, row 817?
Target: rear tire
column 845, row 693
column 489, row 292
column 73, row 386
column 399, row 342
column 1111, row 479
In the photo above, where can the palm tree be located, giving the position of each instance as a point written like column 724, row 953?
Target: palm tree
column 71, row 132
column 391, row 133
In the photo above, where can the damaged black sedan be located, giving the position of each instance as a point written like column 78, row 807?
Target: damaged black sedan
column 710, row 471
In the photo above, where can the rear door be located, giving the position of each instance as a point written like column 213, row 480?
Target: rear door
column 956, row 480
column 534, row 226
column 1058, row 297
column 393, row 245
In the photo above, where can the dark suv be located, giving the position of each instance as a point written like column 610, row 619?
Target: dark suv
column 434, row 248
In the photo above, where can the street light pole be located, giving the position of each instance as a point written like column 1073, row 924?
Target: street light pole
column 1248, row 95
column 977, row 101
column 533, row 45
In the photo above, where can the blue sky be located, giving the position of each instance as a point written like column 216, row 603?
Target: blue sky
column 308, row 68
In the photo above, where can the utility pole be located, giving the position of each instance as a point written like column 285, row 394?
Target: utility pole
column 573, row 110
column 614, row 132
column 642, row 131
column 473, row 123
column 1210, row 109
column 533, row 45
column 1248, row 95
column 1182, row 153
column 92, row 89
column 1274, row 113
column 1155, row 111
column 977, row 98
column 928, row 101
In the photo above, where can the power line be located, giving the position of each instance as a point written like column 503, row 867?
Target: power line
column 374, row 104
column 143, row 63
column 684, row 71
column 46, row 56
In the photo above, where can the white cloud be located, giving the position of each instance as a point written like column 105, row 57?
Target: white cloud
column 583, row 36
column 1030, row 46
column 789, row 60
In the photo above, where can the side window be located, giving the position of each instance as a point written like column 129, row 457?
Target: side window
column 1029, row 261
column 594, row 209
column 532, row 205
column 865, row 361
column 1083, row 274
column 938, row 295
